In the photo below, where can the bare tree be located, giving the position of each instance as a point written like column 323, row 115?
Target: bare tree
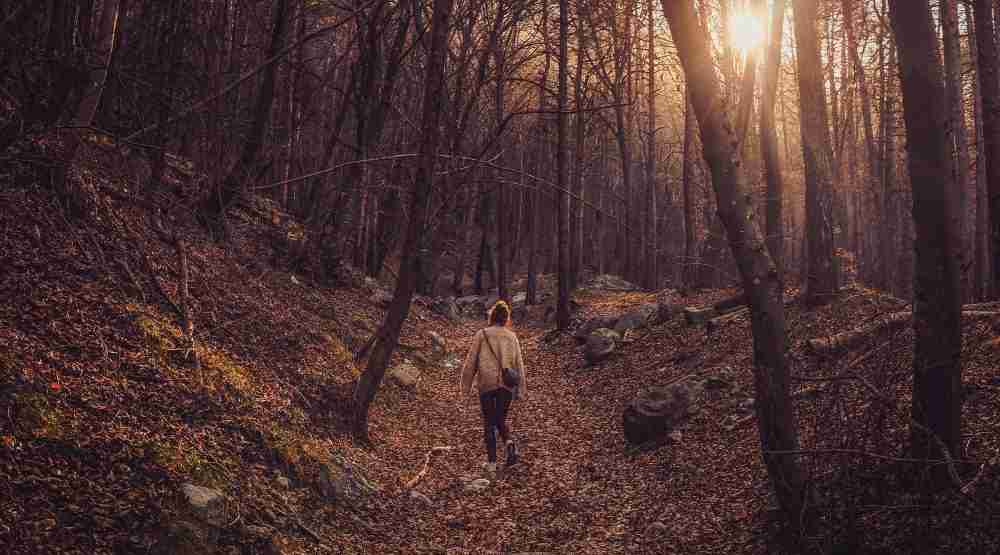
column 388, row 334
column 562, row 304
column 989, row 89
column 769, row 142
column 778, row 429
column 821, row 275
column 937, row 372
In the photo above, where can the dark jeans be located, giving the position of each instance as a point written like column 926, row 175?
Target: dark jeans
column 495, row 405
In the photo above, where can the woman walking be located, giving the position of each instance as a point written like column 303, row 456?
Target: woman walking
column 494, row 349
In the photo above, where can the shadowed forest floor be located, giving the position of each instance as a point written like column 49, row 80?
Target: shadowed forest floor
column 102, row 417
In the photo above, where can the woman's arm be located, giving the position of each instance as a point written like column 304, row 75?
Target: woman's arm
column 470, row 367
column 519, row 362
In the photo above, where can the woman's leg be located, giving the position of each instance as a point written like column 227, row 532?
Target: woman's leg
column 504, row 398
column 488, row 404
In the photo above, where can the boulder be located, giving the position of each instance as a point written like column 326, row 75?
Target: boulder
column 642, row 317
column 438, row 344
column 406, row 375
column 600, row 344
column 583, row 332
column 608, row 282
column 472, row 306
column 206, row 504
column 343, row 482
column 202, row 512
column 478, row 485
column 447, row 307
column 656, row 411
column 666, row 312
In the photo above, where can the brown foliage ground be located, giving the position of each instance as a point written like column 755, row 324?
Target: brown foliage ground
column 101, row 417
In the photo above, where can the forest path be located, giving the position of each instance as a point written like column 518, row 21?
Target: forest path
column 577, row 490
column 561, row 498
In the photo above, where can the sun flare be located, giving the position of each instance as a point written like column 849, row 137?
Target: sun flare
column 746, row 31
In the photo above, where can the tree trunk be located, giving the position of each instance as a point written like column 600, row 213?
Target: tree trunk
column 821, row 275
column 687, row 182
column 388, row 334
column 989, row 89
column 980, row 287
column 562, row 305
column 769, row 143
column 959, row 133
column 232, row 183
column 652, row 241
column 937, row 369
column 778, row 429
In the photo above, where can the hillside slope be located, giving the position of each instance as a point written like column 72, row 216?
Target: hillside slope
column 103, row 416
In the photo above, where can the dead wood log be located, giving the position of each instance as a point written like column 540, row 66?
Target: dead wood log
column 719, row 321
column 887, row 323
column 732, row 303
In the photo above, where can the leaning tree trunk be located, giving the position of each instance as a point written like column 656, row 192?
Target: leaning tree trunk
column 769, row 143
column 937, row 370
column 989, row 89
column 778, row 429
column 388, row 334
column 821, row 274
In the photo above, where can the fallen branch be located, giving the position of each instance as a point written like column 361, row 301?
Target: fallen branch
column 719, row 321
column 427, row 462
column 888, row 323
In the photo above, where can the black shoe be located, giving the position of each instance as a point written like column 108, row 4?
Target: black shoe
column 511, row 454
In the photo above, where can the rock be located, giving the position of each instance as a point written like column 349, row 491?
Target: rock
column 519, row 298
column 657, row 411
column 417, row 496
column 699, row 315
column 343, row 482
column 676, row 436
column 666, row 312
column 641, row 317
column 473, row 306
column 381, row 298
column 207, row 504
column 656, row 529
column 478, row 485
column 447, row 307
column 583, row 332
column 746, row 405
column 284, row 482
column 608, row 282
column 456, row 522
column 600, row 344
column 406, row 375
column 440, row 346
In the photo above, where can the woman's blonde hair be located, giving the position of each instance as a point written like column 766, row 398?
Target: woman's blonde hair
column 499, row 314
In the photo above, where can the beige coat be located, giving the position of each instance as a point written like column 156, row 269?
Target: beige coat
column 487, row 371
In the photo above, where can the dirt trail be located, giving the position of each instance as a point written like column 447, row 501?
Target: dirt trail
column 577, row 491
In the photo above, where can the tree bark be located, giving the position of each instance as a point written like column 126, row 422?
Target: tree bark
column 821, row 275
column 980, row 286
column 652, row 241
column 562, row 304
column 388, row 334
column 959, row 133
column 778, row 429
column 769, row 143
column 937, row 369
column 690, row 272
column 989, row 89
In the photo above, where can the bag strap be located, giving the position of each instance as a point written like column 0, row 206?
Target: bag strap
column 494, row 353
